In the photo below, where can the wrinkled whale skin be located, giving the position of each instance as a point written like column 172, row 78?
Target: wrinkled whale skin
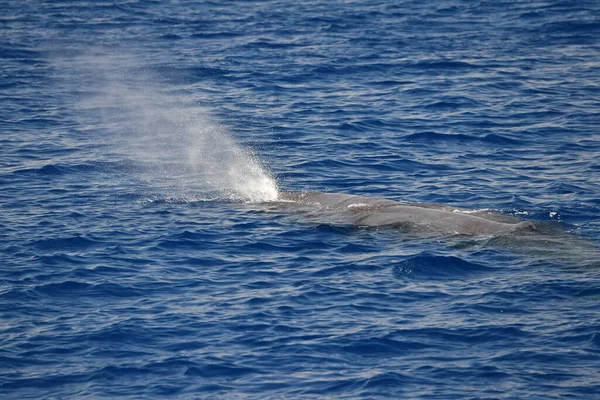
column 370, row 211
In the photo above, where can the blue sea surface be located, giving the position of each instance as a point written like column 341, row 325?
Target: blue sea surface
column 142, row 256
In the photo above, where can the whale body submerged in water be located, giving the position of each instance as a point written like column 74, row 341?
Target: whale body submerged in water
column 370, row 211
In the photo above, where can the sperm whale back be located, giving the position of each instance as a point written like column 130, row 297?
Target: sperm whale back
column 377, row 212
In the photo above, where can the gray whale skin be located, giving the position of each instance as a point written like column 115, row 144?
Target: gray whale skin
column 370, row 211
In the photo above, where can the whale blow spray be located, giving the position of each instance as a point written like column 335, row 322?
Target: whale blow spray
column 177, row 149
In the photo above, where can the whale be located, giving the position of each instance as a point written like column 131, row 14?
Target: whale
column 368, row 211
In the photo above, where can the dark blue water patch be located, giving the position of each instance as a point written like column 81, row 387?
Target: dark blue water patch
column 50, row 382
column 187, row 243
column 452, row 103
column 79, row 289
column 108, row 272
column 370, row 125
column 385, row 164
column 341, row 68
column 376, row 347
column 60, row 259
column 573, row 27
column 45, row 170
column 384, row 384
column 225, row 371
column 265, row 43
column 90, row 167
column 488, row 337
column 23, row 55
column 72, row 243
column 216, row 35
column 566, row 188
column 346, row 269
column 433, row 137
column 531, row 357
column 170, row 36
column 589, row 292
column 540, row 291
column 442, row 65
column 431, row 267
column 185, row 75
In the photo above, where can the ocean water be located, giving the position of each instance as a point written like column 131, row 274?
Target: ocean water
column 142, row 146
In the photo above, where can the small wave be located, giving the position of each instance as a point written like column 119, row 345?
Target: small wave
column 66, row 169
column 66, row 243
column 78, row 289
column 459, row 137
column 437, row 267
column 170, row 36
column 572, row 27
column 16, row 53
column 63, row 288
column 61, row 259
column 230, row 371
column 443, row 65
column 215, row 35
column 49, row 169
column 375, row 347
column 452, row 103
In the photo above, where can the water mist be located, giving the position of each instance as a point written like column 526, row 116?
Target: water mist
column 178, row 149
